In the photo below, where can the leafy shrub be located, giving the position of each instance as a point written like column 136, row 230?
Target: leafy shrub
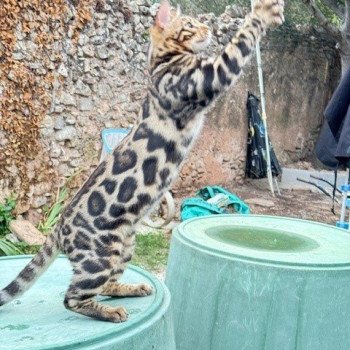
column 6, row 209
column 6, row 216
column 53, row 214
column 8, row 248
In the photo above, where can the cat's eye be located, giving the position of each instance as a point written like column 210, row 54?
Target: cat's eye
column 189, row 25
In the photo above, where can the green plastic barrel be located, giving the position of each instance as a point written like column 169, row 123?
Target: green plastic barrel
column 38, row 320
column 258, row 282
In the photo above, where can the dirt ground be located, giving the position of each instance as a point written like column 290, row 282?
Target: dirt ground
column 301, row 204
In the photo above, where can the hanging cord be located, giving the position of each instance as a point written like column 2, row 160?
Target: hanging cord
column 334, row 188
column 317, row 186
column 327, row 182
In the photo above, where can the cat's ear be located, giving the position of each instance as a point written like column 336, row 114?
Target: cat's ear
column 163, row 15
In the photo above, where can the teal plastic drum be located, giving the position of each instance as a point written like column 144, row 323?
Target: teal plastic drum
column 38, row 320
column 257, row 282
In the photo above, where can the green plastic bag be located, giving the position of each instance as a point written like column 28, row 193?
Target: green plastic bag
column 220, row 200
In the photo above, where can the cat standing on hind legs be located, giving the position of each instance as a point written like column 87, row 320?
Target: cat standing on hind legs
column 96, row 230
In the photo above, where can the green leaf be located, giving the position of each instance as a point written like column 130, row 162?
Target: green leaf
column 6, row 215
column 8, row 248
column 53, row 214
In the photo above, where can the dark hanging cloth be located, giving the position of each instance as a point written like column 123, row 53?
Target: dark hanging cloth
column 333, row 145
column 256, row 165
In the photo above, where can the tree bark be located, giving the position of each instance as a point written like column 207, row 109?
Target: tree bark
column 345, row 45
column 340, row 35
column 345, row 56
column 347, row 17
column 324, row 21
column 337, row 7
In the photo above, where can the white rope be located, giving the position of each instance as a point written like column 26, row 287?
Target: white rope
column 264, row 119
column 263, row 115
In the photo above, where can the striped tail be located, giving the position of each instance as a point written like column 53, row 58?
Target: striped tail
column 34, row 269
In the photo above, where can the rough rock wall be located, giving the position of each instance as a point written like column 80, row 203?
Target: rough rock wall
column 68, row 69
column 99, row 77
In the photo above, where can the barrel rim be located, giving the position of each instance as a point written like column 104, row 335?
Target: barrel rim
column 179, row 232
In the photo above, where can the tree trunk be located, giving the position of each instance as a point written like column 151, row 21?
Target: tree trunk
column 345, row 58
column 340, row 35
column 345, row 47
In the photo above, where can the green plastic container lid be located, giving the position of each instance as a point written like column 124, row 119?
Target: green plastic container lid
column 39, row 320
column 269, row 240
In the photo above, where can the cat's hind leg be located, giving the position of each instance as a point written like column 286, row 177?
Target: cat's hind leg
column 116, row 289
column 85, row 285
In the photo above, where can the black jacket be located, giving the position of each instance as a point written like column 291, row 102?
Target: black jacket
column 333, row 145
column 256, row 165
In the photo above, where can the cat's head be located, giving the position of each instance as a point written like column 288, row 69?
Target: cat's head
column 174, row 32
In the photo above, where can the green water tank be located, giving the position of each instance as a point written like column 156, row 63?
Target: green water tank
column 38, row 320
column 259, row 283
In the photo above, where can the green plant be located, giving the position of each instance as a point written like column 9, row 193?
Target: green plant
column 8, row 248
column 26, row 248
column 6, row 215
column 145, row 35
column 53, row 214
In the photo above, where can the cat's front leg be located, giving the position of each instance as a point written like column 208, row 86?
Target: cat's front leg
column 221, row 72
column 113, row 287
column 270, row 11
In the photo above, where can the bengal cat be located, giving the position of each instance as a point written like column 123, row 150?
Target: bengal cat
column 96, row 230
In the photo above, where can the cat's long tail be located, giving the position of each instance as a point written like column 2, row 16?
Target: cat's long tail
column 32, row 271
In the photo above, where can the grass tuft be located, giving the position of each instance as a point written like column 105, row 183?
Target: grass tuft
column 151, row 252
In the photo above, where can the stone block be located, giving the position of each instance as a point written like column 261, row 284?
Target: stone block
column 25, row 231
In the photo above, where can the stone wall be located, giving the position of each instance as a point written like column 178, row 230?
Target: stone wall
column 101, row 78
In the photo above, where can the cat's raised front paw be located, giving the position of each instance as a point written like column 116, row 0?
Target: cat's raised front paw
column 271, row 11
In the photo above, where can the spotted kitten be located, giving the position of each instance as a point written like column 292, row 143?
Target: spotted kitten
column 96, row 230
